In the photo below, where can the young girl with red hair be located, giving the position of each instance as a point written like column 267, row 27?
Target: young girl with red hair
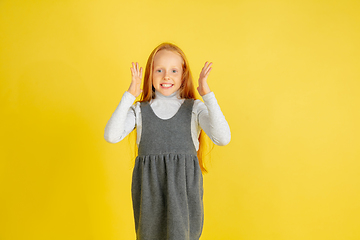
column 167, row 183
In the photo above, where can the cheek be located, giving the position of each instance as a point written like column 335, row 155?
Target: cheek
column 179, row 79
column 155, row 78
column 153, row 82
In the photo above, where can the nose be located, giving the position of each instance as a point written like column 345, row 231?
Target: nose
column 166, row 77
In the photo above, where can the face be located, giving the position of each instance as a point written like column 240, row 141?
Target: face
column 167, row 72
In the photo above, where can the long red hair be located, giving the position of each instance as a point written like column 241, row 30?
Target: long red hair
column 187, row 90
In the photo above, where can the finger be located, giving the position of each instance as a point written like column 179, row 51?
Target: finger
column 208, row 72
column 208, row 66
column 205, row 65
column 133, row 68
column 141, row 72
column 137, row 67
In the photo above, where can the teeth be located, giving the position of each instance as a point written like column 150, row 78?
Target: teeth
column 166, row 85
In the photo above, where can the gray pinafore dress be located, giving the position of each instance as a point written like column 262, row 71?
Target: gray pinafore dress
column 167, row 183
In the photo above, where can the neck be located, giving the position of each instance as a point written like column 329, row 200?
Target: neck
column 175, row 95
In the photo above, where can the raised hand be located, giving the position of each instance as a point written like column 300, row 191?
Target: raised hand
column 136, row 74
column 203, row 87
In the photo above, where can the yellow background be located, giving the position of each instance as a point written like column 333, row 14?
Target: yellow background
column 286, row 75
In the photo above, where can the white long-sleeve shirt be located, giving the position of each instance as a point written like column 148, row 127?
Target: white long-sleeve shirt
column 206, row 116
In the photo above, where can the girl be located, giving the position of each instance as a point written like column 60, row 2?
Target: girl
column 167, row 183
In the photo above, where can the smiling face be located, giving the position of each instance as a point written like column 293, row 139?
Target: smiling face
column 167, row 72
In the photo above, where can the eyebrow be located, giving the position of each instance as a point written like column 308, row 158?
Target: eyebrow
column 162, row 66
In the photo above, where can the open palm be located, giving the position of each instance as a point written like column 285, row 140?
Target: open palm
column 203, row 87
column 136, row 75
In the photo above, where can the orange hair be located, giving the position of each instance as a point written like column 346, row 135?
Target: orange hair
column 187, row 89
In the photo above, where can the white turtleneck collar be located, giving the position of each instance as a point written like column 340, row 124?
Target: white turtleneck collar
column 166, row 106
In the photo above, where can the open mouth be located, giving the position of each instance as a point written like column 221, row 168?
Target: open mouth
column 166, row 85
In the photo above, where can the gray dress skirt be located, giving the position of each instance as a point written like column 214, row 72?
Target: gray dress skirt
column 167, row 183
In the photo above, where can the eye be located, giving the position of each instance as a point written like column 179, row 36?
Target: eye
column 159, row 70
column 174, row 71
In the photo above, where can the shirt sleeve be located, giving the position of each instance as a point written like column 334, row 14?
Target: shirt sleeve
column 212, row 120
column 122, row 121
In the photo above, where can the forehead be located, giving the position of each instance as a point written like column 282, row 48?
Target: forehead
column 166, row 57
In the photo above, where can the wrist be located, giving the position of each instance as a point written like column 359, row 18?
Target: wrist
column 204, row 91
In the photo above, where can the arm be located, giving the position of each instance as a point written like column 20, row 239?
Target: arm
column 123, row 120
column 210, row 117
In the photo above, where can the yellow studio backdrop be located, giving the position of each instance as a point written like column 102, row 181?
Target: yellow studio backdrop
column 286, row 75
